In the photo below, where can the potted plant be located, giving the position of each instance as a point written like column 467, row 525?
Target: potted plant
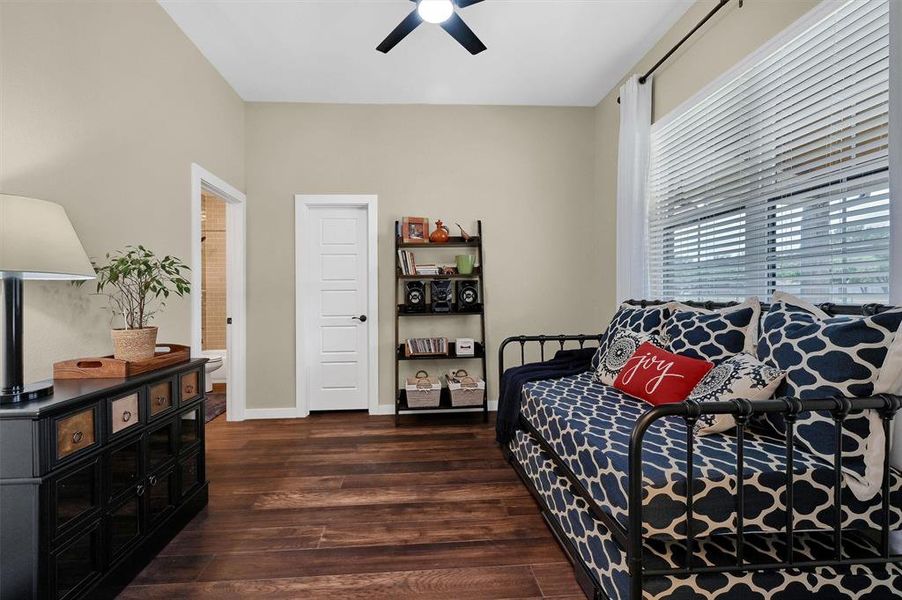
column 137, row 283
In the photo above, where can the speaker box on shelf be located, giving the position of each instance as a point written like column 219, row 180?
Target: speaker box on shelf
column 415, row 296
column 441, row 295
column 467, row 295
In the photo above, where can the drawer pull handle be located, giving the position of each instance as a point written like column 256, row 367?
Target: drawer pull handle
column 161, row 400
column 153, row 480
column 126, row 416
column 77, row 437
column 140, row 490
column 189, row 389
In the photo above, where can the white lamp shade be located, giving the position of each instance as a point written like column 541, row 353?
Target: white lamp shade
column 37, row 241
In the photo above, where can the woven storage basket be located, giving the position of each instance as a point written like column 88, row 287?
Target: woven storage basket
column 423, row 391
column 465, row 390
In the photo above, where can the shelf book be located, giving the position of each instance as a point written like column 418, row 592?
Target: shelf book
column 433, row 346
column 419, row 261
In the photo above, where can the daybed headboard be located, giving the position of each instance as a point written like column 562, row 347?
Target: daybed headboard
column 828, row 307
column 587, row 339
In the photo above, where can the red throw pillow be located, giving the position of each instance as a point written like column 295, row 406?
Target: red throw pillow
column 660, row 377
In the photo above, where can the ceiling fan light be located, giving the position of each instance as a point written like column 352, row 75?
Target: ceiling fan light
column 435, row 11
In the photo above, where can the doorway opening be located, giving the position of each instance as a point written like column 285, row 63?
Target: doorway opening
column 213, row 301
column 218, row 291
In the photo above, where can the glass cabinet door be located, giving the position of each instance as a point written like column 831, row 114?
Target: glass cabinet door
column 124, row 467
column 76, row 564
column 160, row 496
column 75, row 494
column 124, row 523
column 160, row 445
column 189, row 429
column 190, row 473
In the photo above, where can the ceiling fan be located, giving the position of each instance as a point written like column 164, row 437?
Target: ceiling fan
column 442, row 13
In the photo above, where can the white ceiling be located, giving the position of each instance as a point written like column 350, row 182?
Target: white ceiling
column 540, row 52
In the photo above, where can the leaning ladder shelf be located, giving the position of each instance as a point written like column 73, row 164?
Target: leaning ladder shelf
column 445, row 318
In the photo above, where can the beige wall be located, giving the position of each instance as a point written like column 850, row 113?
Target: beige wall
column 725, row 40
column 104, row 105
column 103, row 108
column 526, row 172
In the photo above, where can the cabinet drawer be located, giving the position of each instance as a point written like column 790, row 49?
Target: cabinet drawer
column 159, row 397
column 75, row 432
column 124, row 413
column 189, row 386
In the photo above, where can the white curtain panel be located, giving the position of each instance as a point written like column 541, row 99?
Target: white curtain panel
column 632, row 188
column 895, row 150
column 895, row 180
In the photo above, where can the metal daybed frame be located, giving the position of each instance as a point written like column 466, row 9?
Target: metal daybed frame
column 631, row 539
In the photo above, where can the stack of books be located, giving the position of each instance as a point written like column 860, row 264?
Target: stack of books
column 407, row 262
column 427, row 269
column 426, row 346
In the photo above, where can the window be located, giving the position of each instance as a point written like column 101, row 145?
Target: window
column 779, row 179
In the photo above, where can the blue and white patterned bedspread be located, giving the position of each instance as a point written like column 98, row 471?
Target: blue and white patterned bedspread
column 589, row 424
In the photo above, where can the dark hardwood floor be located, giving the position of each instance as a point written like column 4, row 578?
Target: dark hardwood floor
column 347, row 506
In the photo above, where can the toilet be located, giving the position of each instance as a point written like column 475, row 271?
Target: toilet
column 213, row 364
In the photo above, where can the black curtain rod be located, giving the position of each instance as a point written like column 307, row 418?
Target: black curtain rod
column 686, row 37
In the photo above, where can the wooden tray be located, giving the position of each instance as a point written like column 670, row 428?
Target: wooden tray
column 107, row 367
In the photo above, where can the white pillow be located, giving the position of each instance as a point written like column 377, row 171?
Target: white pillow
column 620, row 348
column 739, row 377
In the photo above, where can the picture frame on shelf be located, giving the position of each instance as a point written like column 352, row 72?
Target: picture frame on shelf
column 415, row 230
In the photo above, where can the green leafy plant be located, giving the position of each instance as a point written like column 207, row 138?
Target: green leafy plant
column 137, row 283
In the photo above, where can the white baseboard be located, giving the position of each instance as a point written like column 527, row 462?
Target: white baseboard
column 389, row 409
column 252, row 414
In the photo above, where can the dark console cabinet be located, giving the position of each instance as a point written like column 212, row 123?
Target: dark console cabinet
column 96, row 479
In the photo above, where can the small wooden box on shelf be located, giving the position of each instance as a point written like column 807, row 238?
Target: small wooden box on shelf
column 402, row 406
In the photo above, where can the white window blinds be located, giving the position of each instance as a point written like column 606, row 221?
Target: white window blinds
column 780, row 178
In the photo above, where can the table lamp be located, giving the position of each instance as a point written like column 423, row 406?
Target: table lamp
column 37, row 241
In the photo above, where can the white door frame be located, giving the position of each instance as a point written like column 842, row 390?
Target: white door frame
column 236, row 274
column 302, row 205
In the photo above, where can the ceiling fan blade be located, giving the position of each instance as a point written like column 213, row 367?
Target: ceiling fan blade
column 466, row 3
column 400, row 32
column 463, row 34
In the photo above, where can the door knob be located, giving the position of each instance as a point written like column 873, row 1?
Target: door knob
column 361, row 318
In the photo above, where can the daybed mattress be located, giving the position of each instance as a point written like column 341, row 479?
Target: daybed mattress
column 588, row 426
column 607, row 562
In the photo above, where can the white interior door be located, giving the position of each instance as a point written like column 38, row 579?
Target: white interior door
column 335, row 310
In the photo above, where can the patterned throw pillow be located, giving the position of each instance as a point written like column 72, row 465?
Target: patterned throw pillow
column 739, row 377
column 828, row 357
column 619, row 350
column 713, row 335
column 660, row 377
column 647, row 321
